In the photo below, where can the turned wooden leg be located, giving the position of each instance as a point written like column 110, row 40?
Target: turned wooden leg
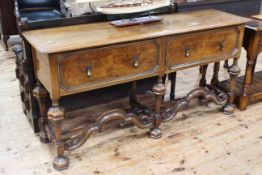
column 233, row 71
column 41, row 96
column 56, row 116
column 226, row 64
column 215, row 81
column 200, row 69
column 247, row 82
column 253, row 69
column 159, row 90
column 172, row 78
column 5, row 39
column 133, row 95
column 202, row 82
column 132, row 102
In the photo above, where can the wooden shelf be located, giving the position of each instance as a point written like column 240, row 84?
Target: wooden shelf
column 254, row 91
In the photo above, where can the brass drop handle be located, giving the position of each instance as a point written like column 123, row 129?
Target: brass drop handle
column 187, row 52
column 222, row 45
column 136, row 61
column 88, row 71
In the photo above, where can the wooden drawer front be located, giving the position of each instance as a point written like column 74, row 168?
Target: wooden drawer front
column 190, row 49
column 108, row 65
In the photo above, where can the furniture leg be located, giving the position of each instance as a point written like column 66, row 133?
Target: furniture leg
column 214, row 81
column 172, row 78
column 56, row 116
column 159, row 90
column 133, row 96
column 200, row 69
column 226, row 64
column 132, row 101
column 253, row 68
column 202, row 82
column 247, row 82
column 41, row 96
column 5, row 39
column 233, row 71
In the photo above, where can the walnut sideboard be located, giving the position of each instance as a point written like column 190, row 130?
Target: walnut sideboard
column 74, row 59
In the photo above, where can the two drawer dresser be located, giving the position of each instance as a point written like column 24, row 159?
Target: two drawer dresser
column 75, row 59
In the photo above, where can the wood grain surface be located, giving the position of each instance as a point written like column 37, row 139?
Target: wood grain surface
column 201, row 45
column 259, row 17
column 108, row 63
column 100, row 34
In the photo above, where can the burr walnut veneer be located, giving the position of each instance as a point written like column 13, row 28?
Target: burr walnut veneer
column 74, row 59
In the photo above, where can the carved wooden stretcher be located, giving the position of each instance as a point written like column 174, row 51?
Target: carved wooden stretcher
column 25, row 71
column 75, row 59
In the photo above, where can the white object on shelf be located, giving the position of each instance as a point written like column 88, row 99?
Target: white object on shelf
column 113, row 7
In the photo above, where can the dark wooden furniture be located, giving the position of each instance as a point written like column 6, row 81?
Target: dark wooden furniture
column 249, row 86
column 238, row 7
column 66, row 19
column 80, row 58
column 7, row 21
column 26, row 68
column 25, row 71
column 30, row 11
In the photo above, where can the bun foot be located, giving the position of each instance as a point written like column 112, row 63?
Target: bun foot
column 155, row 133
column 43, row 138
column 229, row 109
column 61, row 163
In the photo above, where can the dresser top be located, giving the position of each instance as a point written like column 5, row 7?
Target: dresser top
column 77, row 37
column 255, row 25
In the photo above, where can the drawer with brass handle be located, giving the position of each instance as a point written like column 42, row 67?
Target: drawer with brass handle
column 188, row 49
column 107, row 65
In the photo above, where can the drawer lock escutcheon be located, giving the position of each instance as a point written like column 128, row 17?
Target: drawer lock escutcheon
column 187, row 52
column 88, row 71
column 222, row 45
column 136, row 61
